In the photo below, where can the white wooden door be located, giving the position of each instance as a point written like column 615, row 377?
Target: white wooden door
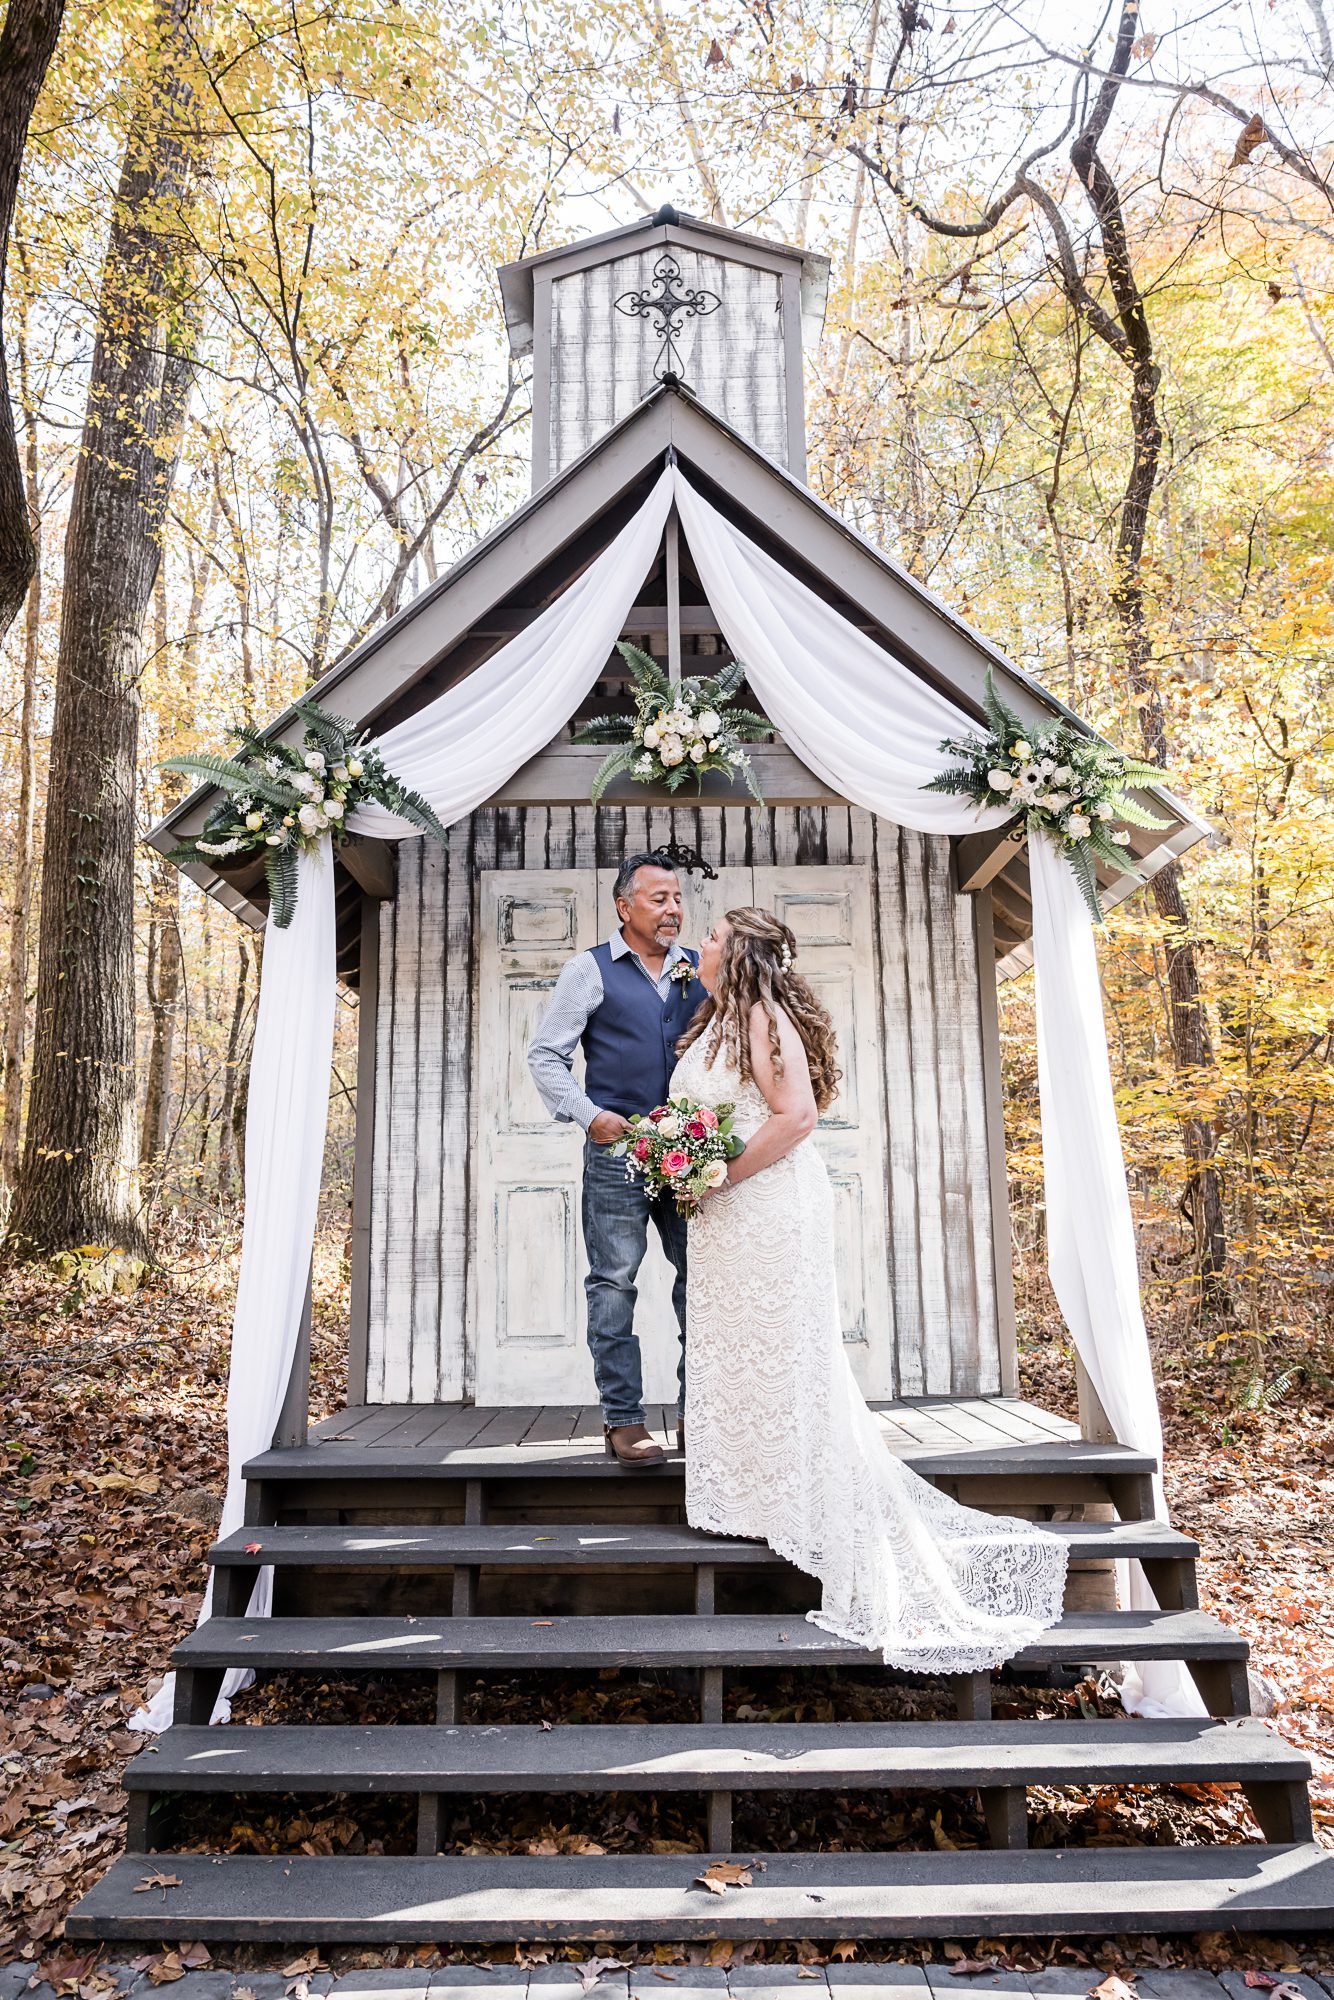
column 527, row 1280
column 829, row 913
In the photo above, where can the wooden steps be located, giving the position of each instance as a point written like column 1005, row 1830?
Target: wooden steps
column 647, row 1898
column 449, row 1519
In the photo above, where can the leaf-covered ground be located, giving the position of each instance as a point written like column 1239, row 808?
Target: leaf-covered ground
column 112, row 1469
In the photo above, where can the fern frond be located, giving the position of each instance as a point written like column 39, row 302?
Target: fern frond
column 677, row 776
column 1133, row 813
column 1081, row 861
column 411, row 806
column 610, row 767
column 645, row 669
column 333, row 733
column 953, row 781
column 234, row 777
column 1003, row 720
column 280, row 869
column 605, row 729
column 725, row 684
column 1106, row 849
column 252, row 742
column 752, row 782
column 743, row 720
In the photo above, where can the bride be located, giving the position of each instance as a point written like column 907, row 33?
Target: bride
column 782, row 1446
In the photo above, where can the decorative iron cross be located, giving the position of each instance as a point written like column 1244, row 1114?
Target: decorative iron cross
column 671, row 308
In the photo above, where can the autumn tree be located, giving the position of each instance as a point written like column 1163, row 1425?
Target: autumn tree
column 76, row 1182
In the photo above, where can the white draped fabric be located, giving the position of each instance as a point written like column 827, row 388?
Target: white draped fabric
column 871, row 729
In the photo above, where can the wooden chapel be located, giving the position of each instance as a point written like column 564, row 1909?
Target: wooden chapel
column 456, row 1531
column 466, row 1280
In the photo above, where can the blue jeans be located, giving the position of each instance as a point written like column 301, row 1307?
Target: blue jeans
column 617, row 1213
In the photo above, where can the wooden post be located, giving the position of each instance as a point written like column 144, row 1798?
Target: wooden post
column 294, row 1417
column 673, row 600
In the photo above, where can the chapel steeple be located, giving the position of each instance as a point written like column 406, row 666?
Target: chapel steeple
column 666, row 299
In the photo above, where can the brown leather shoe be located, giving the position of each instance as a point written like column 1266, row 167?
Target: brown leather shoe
column 632, row 1445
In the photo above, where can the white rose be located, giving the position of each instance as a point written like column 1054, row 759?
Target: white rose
column 1021, row 750
column 652, row 736
column 314, row 760
column 714, row 1174
column 341, row 773
column 669, row 1127
column 1048, row 766
column 697, row 753
column 311, row 820
column 254, row 821
column 710, row 722
column 333, row 808
column 1058, row 801
column 354, row 767
column 1104, row 811
column 1063, row 774
column 999, row 781
column 1078, row 827
column 671, row 751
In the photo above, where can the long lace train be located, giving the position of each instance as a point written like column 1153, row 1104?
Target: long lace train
column 784, row 1449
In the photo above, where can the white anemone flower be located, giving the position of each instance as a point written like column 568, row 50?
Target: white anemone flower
column 1031, row 776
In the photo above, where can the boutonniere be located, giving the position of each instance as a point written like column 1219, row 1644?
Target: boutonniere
column 682, row 972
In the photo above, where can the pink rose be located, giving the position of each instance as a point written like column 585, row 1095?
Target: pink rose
column 697, row 1129
column 707, row 1118
column 661, row 1112
column 675, row 1163
column 642, row 1150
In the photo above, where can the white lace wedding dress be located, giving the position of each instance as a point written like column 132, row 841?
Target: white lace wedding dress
column 782, row 1447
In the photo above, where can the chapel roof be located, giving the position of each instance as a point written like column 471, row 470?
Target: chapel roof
column 456, row 622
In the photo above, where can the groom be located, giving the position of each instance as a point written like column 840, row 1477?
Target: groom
column 627, row 1001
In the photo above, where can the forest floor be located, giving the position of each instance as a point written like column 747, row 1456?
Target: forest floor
column 113, row 1463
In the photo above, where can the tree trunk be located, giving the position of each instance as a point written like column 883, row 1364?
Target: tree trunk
column 27, row 44
column 16, row 1003
column 231, row 1075
column 78, row 1178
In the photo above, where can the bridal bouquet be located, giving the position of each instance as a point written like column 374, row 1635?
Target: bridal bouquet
column 681, row 1149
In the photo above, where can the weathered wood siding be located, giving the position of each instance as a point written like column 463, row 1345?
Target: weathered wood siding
column 952, row 1317
column 734, row 359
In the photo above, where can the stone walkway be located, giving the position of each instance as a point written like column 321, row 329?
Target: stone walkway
column 684, row 1982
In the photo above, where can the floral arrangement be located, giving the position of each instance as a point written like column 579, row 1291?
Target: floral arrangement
column 679, row 730
column 681, row 1149
column 1060, row 781
column 281, row 798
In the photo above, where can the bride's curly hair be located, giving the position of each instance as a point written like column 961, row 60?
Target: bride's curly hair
column 758, row 964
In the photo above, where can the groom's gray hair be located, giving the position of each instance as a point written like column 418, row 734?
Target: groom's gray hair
column 624, row 885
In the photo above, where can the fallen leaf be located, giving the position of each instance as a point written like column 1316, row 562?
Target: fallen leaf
column 590, row 1970
column 1252, row 134
column 158, row 1880
column 1113, row 1987
column 844, row 1949
column 965, row 1968
column 253, row 1548
column 720, row 1876
column 309, row 1961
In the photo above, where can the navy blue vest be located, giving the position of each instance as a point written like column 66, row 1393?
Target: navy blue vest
column 630, row 1041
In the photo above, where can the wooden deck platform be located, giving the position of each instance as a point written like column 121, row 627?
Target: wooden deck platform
column 557, row 1430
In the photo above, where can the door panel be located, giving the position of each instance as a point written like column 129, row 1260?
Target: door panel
column 529, row 1319
column 829, row 912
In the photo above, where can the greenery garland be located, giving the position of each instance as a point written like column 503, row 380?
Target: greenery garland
column 679, row 730
column 1061, row 782
column 280, row 799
